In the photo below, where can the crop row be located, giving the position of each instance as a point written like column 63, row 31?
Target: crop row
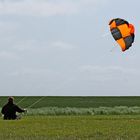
column 78, row 102
column 118, row 110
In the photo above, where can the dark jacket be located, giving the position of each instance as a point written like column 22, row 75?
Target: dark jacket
column 9, row 110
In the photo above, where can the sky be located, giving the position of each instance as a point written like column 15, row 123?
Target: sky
column 64, row 48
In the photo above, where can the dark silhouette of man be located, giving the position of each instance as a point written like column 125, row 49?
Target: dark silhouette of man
column 9, row 110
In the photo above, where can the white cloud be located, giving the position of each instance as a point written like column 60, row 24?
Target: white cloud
column 45, row 7
column 30, row 71
column 7, row 27
column 36, row 45
column 62, row 45
column 108, row 73
column 8, row 55
column 36, row 8
column 108, row 69
column 27, row 45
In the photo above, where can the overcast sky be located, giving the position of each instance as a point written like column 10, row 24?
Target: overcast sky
column 64, row 47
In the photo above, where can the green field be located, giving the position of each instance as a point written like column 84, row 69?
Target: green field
column 72, row 128
column 74, row 118
column 81, row 102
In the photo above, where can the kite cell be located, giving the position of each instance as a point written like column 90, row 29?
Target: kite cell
column 122, row 32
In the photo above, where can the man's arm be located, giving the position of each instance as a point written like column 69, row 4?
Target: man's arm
column 19, row 110
column 2, row 111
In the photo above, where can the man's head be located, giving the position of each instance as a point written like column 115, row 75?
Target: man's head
column 10, row 99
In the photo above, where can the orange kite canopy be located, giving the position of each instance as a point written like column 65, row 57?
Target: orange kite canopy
column 122, row 32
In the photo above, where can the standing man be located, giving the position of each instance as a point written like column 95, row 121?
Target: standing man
column 9, row 110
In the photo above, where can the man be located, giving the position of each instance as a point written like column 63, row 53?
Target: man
column 9, row 110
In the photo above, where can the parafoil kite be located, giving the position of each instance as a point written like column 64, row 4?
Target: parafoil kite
column 122, row 32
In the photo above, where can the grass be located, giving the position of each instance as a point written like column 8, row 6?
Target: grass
column 72, row 128
column 74, row 118
column 78, row 102
column 39, row 105
column 120, row 110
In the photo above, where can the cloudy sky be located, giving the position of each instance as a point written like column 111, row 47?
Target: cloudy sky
column 64, row 47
